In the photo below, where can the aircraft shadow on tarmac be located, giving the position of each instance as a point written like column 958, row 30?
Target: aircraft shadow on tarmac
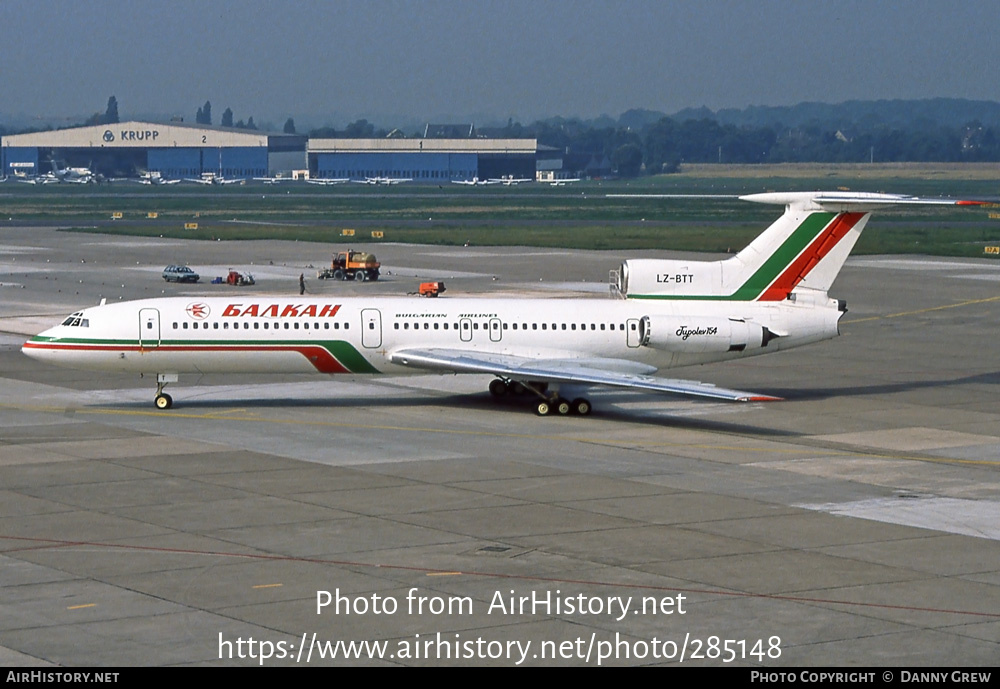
column 815, row 393
column 517, row 406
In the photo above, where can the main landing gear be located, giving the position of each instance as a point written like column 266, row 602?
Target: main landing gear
column 549, row 401
column 162, row 399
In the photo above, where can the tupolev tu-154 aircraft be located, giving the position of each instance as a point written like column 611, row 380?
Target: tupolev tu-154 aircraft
column 769, row 297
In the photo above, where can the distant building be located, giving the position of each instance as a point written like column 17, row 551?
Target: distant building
column 174, row 150
column 431, row 161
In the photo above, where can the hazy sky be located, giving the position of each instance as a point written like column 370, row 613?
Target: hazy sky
column 525, row 59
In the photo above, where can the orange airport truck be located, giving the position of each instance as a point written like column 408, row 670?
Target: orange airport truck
column 351, row 265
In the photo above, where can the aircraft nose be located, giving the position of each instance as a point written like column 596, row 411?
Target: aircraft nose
column 35, row 346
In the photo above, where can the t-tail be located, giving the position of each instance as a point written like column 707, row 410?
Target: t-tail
column 802, row 252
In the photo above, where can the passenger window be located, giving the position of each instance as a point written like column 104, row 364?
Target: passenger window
column 149, row 326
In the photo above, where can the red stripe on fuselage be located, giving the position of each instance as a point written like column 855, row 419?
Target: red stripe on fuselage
column 318, row 356
column 813, row 254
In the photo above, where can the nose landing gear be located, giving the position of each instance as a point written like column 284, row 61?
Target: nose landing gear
column 162, row 400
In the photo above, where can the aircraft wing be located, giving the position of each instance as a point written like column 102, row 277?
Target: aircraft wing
column 613, row 372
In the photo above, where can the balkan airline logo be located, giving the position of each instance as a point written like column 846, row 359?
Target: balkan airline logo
column 281, row 311
column 109, row 135
column 198, row 311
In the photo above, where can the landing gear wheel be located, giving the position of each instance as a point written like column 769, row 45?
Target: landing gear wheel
column 518, row 389
column 163, row 401
column 581, row 406
column 498, row 388
column 562, row 406
column 543, row 408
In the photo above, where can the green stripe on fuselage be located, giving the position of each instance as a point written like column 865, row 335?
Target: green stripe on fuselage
column 771, row 268
column 342, row 351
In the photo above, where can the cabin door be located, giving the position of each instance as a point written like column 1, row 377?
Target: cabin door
column 371, row 328
column 632, row 336
column 149, row 328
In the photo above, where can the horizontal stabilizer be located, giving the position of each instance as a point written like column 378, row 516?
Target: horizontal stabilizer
column 850, row 201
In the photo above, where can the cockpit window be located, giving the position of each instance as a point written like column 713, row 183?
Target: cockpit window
column 77, row 320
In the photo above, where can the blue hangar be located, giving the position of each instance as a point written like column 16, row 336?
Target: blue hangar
column 423, row 160
column 175, row 150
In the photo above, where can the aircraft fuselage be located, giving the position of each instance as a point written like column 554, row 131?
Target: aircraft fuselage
column 258, row 334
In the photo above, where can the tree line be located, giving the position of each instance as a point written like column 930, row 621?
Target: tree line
column 648, row 142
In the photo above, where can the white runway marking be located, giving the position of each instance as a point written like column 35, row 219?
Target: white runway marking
column 966, row 517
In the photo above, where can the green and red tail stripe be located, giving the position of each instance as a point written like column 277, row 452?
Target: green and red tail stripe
column 800, row 252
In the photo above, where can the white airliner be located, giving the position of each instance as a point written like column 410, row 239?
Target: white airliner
column 154, row 179
column 328, row 181
column 71, row 175
column 213, row 178
column 769, row 297
column 382, row 180
column 509, row 180
column 475, row 182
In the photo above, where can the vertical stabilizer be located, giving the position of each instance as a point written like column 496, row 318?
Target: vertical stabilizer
column 804, row 249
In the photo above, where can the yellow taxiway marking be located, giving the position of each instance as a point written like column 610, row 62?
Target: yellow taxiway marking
column 79, row 607
column 267, row 586
column 445, row 574
column 970, row 302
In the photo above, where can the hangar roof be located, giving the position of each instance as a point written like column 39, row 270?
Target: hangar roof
column 521, row 146
column 136, row 134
